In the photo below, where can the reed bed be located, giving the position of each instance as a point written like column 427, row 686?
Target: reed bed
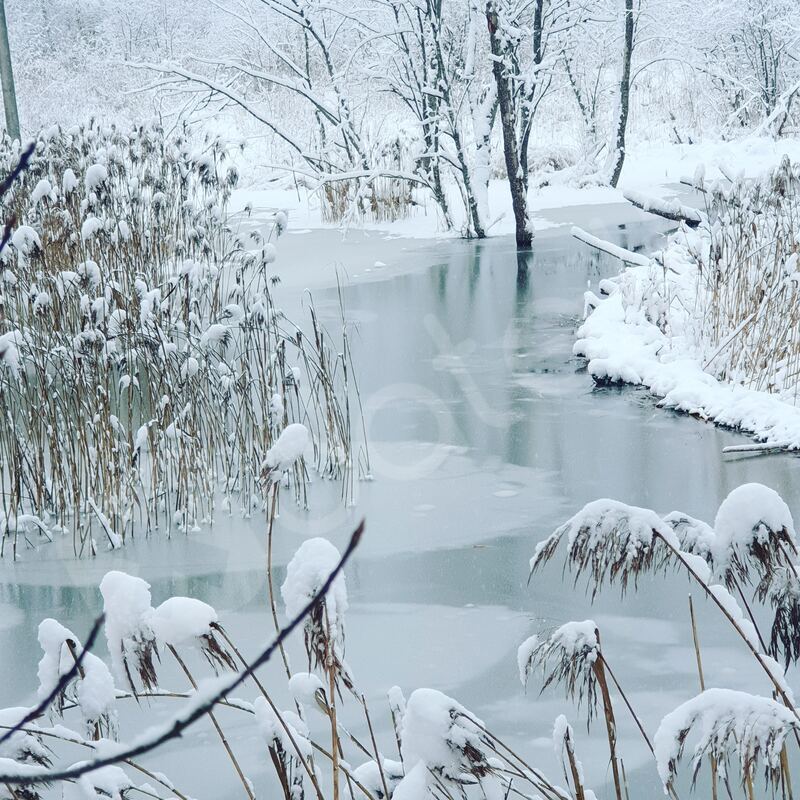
column 749, row 282
column 145, row 369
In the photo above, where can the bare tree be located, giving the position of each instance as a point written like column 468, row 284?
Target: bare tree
column 624, row 95
column 508, row 117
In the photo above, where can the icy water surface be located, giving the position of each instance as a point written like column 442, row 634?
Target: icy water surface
column 485, row 434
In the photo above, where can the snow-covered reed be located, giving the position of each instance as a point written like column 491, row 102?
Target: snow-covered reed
column 749, row 281
column 145, row 369
column 443, row 751
column 752, row 541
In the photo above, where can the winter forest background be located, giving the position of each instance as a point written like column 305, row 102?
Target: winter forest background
column 345, row 348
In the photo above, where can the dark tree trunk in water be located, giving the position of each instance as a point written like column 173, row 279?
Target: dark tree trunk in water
column 516, row 180
column 624, row 94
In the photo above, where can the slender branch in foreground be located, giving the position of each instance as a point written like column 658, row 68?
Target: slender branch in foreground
column 205, row 700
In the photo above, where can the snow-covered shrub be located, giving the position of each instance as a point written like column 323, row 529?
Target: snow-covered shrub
column 609, row 542
column 138, row 339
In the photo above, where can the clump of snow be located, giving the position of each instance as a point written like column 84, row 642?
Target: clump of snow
column 752, row 516
column 307, row 571
column 26, row 240
column 96, row 176
column 441, row 736
column 291, row 445
column 368, row 775
column 69, row 182
column 695, row 536
column 21, row 746
column 284, row 732
column 90, row 227
column 414, row 786
column 434, row 728
column 182, row 621
column 41, row 191
column 304, row 687
column 525, row 654
column 93, row 689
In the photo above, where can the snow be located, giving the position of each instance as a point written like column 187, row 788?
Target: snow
column 435, row 728
column 91, row 226
column 576, row 638
column 414, row 785
column 272, row 729
column 41, row 191
column 21, row 746
column 292, row 444
column 626, row 256
column 369, row 775
column 95, row 694
column 69, row 182
column 96, row 176
column 695, row 536
column 304, row 687
column 524, row 654
column 182, row 621
column 26, row 240
column 602, row 522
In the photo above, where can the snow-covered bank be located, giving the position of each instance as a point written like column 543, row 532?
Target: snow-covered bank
column 709, row 324
column 623, row 345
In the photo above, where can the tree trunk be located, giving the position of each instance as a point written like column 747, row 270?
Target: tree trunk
column 624, row 94
column 7, row 78
column 516, row 179
column 527, row 110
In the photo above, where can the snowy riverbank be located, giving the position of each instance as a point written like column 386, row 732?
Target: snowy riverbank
column 709, row 323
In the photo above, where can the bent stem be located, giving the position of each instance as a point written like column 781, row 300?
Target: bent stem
column 217, row 726
column 759, row 657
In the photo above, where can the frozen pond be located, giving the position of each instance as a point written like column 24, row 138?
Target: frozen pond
column 485, row 433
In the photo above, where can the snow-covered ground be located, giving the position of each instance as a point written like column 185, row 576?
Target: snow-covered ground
column 654, row 168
